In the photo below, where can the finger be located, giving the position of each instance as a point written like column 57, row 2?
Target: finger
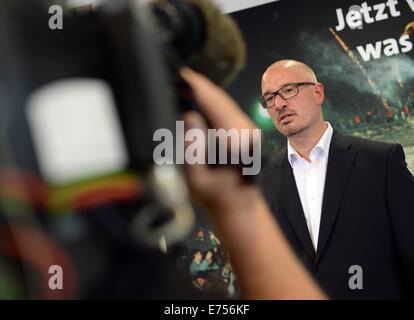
column 197, row 172
column 193, row 120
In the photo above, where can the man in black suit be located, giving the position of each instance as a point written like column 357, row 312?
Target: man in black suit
column 345, row 204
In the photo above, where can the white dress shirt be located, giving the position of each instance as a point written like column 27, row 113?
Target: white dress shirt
column 310, row 180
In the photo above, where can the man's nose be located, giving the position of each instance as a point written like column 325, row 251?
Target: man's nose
column 280, row 103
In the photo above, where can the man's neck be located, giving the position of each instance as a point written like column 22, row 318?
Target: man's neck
column 304, row 142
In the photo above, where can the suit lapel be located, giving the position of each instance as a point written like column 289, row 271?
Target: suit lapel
column 340, row 162
column 288, row 196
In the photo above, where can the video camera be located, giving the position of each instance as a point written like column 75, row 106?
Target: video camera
column 80, row 99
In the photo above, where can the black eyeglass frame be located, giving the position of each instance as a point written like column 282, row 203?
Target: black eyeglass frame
column 296, row 84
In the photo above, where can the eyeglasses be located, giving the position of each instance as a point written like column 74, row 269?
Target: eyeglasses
column 288, row 91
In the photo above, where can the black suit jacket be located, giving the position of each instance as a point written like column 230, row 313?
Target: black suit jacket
column 367, row 218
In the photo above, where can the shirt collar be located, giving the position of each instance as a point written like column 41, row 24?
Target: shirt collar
column 320, row 149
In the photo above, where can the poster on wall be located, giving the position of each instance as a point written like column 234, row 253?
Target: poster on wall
column 363, row 54
column 361, row 51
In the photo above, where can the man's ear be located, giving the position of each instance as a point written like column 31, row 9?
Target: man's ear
column 319, row 93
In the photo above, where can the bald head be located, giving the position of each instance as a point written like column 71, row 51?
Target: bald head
column 294, row 68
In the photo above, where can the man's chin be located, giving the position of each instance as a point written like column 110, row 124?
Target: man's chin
column 291, row 132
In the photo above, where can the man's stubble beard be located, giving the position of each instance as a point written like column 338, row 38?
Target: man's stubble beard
column 294, row 131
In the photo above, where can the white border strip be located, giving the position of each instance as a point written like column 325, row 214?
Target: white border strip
column 228, row 6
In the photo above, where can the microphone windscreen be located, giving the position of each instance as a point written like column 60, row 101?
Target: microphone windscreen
column 223, row 54
column 205, row 39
